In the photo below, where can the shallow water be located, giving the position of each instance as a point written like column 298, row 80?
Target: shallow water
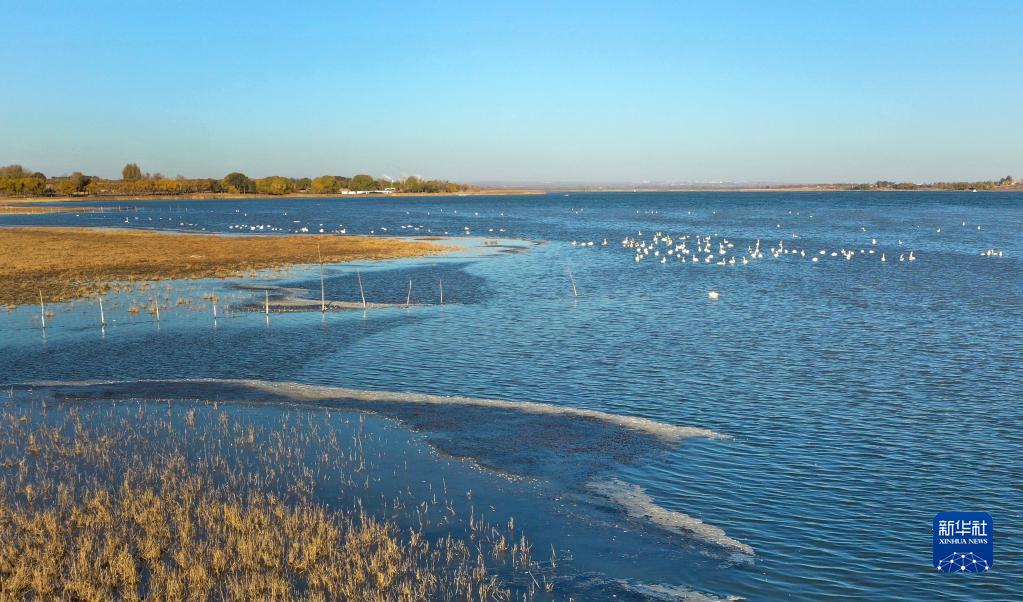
column 861, row 397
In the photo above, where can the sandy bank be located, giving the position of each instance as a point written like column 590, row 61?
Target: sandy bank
column 75, row 263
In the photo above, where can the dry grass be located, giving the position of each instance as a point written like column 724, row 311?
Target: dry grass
column 40, row 209
column 76, row 263
column 145, row 502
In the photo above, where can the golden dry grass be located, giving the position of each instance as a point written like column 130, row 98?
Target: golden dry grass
column 149, row 503
column 75, row 263
column 40, row 209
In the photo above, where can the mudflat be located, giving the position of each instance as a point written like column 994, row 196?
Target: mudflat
column 75, row 263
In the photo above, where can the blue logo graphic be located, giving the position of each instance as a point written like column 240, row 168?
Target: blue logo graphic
column 964, row 542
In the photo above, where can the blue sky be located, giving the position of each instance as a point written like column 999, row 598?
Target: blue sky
column 522, row 91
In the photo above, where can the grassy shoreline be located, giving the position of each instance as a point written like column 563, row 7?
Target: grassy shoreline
column 236, row 196
column 199, row 501
column 77, row 263
column 29, row 209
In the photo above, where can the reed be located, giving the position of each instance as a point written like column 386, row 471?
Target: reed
column 173, row 502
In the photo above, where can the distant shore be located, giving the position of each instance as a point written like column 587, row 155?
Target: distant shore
column 780, row 188
column 238, row 196
column 11, row 202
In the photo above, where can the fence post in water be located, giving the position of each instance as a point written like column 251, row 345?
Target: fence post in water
column 102, row 318
column 266, row 302
column 42, row 309
column 408, row 300
column 323, row 299
column 361, row 292
column 575, row 292
column 441, row 282
column 214, row 307
column 156, row 304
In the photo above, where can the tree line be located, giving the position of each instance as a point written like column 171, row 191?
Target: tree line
column 1006, row 182
column 16, row 180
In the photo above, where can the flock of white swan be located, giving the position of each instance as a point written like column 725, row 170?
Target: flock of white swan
column 720, row 251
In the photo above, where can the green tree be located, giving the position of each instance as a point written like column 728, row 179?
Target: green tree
column 238, row 183
column 274, row 185
column 22, row 186
column 325, row 185
column 65, row 187
column 363, row 182
column 131, row 172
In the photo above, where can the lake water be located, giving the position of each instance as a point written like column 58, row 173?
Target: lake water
column 854, row 398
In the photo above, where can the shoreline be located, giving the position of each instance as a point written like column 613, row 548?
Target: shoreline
column 233, row 196
column 13, row 201
column 772, row 189
column 64, row 264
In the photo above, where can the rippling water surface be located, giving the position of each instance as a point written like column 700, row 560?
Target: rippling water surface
column 858, row 398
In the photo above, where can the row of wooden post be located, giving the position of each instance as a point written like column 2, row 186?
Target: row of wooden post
column 266, row 298
column 266, row 301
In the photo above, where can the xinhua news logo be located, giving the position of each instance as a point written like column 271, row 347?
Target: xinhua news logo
column 964, row 542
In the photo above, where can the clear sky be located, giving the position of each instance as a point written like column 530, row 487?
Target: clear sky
column 525, row 91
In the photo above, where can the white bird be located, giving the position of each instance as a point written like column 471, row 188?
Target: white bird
column 713, row 294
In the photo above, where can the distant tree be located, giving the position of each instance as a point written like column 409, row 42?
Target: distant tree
column 39, row 176
column 13, row 171
column 274, row 185
column 73, row 184
column 325, row 185
column 65, row 187
column 363, row 182
column 238, row 183
column 302, row 183
column 26, row 186
column 131, row 172
column 411, row 184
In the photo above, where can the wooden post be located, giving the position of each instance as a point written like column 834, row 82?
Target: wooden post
column 42, row 309
column 575, row 292
column 441, row 291
column 323, row 299
column 156, row 304
column 102, row 318
column 408, row 300
column 361, row 292
column 266, row 302
column 214, row 307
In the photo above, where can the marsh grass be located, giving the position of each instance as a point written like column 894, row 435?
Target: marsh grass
column 17, row 209
column 170, row 501
column 76, row 263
